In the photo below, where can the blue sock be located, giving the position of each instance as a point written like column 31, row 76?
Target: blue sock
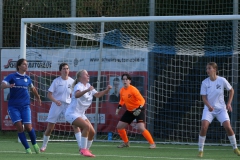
column 32, row 136
column 23, row 139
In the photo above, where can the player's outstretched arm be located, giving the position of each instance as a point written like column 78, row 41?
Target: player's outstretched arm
column 5, row 85
column 102, row 93
column 79, row 93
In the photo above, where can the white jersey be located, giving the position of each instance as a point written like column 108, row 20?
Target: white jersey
column 214, row 90
column 81, row 104
column 61, row 89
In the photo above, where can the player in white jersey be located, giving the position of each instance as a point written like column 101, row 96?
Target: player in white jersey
column 82, row 96
column 60, row 95
column 212, row 92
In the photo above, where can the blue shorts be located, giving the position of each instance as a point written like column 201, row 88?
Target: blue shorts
column 20, row 114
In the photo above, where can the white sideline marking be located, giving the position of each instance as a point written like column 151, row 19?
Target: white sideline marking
column 140, row 157
column 96, row 145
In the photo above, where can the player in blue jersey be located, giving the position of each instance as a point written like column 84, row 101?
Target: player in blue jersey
column 19, row 103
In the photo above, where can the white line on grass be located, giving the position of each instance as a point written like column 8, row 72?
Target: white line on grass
column 140, row 146
column 140, row 157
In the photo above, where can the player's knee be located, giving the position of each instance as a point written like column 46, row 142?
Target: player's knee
column 229, row 130
column 92, row 132
column 48, row 131
column 28, row 128
column 86, row 128
column 141, row 129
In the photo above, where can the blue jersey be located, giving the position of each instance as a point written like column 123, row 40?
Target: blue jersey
column 19, row 94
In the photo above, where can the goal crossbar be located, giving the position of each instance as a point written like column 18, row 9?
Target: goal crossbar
column 131, row 19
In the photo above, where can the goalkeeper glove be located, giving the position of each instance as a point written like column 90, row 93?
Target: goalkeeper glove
column 118, row 109
column 137, row 111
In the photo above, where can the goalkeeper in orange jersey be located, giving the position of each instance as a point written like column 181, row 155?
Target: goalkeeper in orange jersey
column 134, row 102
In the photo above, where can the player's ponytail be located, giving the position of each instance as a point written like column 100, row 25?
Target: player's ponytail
column 74, row 82
column 77, row 78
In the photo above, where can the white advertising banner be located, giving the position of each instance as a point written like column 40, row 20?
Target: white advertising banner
column 42, row 117
column 49, row 59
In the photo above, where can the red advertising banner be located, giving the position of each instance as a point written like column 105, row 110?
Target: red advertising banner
column 42, row 78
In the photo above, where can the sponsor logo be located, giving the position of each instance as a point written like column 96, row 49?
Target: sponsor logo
column 31, row 64
column 7, row 121
column 7, row 117
column 136, row 59
column 33, row 54
column 76, row 61
column 65, row 60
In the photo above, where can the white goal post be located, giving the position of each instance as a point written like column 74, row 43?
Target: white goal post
column 166, row 55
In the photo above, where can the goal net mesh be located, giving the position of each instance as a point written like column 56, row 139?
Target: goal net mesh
column 166, row 59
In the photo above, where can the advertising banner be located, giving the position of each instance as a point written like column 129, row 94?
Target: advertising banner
column 43, row 67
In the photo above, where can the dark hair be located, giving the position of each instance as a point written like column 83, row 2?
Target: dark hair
column 116, row 79
column 127, row 75
column 61, row 65
column 19, row 63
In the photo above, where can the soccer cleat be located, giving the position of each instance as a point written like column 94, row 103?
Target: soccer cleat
column 236, row 151
column 152, row 146
column 124, row 145
column 43, row 149
column 36, row 148
column 86, row 153
column 200, row 154
column 28, row 151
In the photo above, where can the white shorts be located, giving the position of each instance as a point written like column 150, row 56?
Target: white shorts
column 70, row 117
column 221, row 116
column 56, row 111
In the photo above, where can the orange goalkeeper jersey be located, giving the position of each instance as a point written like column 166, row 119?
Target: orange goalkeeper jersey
column 131, row 97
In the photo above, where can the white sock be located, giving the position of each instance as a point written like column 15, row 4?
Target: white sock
column 78, row 138
column 201, row 141
column 233, row 141
column 89, row 144
column 84, row 142
column 45, row 141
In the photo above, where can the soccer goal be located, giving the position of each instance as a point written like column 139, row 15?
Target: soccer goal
column 165, row 55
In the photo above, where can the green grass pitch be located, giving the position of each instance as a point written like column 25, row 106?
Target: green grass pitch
column 10, row 149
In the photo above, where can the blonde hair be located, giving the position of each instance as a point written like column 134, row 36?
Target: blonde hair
column 214, row 65
column 78, row 74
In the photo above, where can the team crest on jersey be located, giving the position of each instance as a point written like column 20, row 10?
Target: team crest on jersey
column 218, row 86
column 69, row 85
column 25, row 79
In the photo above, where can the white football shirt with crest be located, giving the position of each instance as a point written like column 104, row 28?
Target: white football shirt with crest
column 214, row 90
